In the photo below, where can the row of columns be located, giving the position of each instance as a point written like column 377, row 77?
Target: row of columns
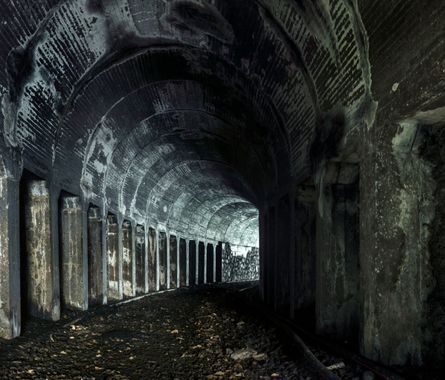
column 89, row 258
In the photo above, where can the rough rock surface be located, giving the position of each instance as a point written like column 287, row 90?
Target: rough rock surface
column 237, row 267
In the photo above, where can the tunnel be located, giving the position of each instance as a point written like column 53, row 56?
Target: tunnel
column 154, row 145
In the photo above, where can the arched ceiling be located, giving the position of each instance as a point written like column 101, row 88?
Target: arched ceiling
column 185, row 114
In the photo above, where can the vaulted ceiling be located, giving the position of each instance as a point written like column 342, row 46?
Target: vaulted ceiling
column 187, row 114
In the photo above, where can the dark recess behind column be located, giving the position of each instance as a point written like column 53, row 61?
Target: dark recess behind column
column 182, row 263
column 192, row 262
column 209, row 274
column 201, row 254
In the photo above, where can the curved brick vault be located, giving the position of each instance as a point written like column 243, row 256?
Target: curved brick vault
column 249, row 122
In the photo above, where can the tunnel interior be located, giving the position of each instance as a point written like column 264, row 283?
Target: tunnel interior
column 152, row 145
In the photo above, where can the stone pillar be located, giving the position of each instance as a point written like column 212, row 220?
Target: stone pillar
column 104, row 234
column 114, row 245
column 187, row 264
column 173, row 260
column 128, row 259
column 337, row 276
column 163, row 260
column 43, row 291
column 141, row 260
column 74, row 259
column 178, row 261
column 146, row 259
column 158, row 264
column 198, row 260
column 214, row 246
column 153, row 257
column 10, row 313
column 168, row 266
column 205, row 262
column 95, row 260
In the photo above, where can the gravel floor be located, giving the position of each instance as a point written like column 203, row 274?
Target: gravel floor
column 200, row 333
column 186, row 334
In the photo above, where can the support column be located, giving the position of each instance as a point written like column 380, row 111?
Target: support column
column 168, row 266
column 158, row 264
column 140, row 266
column 128, row 259
column 74, row 270
column 163, row 260
column 104, row 234
column 214, row 245
column 95, row 260
column 41, row 224
column 173, row 260
column 153, row 260
column 10, row 304
column 337, row 278
column 114, row 247
column 187, row 265
column 178, row 261
column 146, row 259
column 205, row 262
column 198, row 260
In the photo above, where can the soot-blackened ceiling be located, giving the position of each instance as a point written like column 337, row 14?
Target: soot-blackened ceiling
column 187, row 114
